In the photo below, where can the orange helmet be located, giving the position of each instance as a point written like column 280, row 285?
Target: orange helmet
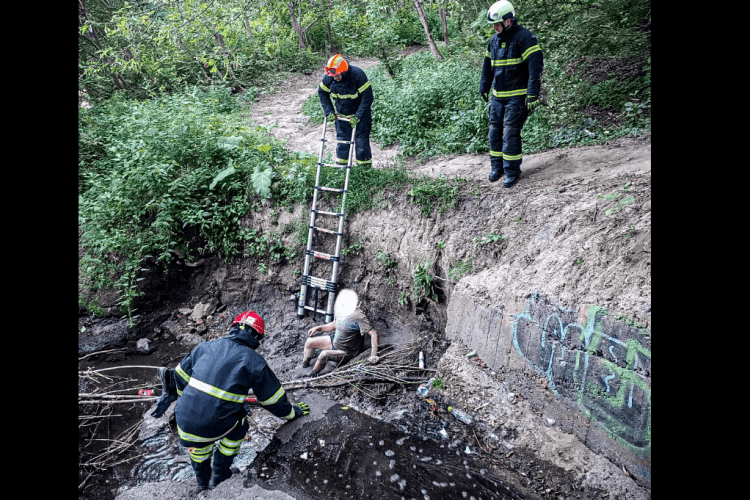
column 336, row 65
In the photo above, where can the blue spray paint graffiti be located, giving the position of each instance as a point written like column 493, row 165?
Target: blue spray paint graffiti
column 606, row 374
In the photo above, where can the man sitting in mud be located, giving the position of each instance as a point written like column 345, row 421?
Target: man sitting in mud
column 347, row 342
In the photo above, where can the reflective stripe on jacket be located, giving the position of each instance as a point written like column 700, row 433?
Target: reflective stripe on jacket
column 352, row 95
column 214, row 379
column 513, row 64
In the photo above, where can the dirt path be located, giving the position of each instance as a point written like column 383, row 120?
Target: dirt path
column 284, row 110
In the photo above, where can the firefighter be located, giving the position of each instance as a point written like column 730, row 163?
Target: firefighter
column 211, row 384
column 512, row 71
column 352, row 98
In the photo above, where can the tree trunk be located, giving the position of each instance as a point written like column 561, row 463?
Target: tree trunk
column 328, row 27
column 423, row 19
column 297, row 27
column 444, row 20
column 227, row 55
column 247, row 25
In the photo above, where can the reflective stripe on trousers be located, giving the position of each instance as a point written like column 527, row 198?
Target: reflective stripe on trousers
column 507, row 117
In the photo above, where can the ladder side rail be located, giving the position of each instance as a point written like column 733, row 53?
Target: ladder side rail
column 334, row 274
column 304, row 287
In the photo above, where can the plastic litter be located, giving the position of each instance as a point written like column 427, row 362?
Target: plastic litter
column 460, row 415
column 423, row 389
column 421, row 360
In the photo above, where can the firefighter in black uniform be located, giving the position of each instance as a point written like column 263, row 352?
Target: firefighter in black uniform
column 352, row 95
column 211, row 385
column 512, row 70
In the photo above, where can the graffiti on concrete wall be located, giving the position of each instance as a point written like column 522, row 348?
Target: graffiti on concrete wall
column 593, row 360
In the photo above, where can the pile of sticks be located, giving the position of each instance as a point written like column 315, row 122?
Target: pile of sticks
column 96, row 408
column 398, row 364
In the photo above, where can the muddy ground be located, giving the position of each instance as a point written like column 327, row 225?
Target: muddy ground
column 564, row 224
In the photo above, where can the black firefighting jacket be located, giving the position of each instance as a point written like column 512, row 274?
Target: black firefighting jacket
column 513, row 64
column 352, row 95
column 213, row 382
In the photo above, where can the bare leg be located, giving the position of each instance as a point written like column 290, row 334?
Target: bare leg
column 312, row 343
column 326, row 356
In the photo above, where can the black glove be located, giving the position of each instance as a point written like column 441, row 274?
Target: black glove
column 485, row 96
column 168, row 391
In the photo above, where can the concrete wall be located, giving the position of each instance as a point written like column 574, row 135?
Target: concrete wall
column 586, row 367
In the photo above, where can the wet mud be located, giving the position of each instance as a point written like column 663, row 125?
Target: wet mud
column 351, row 455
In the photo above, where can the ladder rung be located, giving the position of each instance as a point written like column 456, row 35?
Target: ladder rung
column 335, row 190
column 334, row 165
column 321, row 255
column 319, row 283
column 337, row 141
column 326, row 213
column 324, row 230
column 310, row 308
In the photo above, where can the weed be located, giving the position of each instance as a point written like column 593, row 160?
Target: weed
column 427, row 191
column 262, row 268
column 460, row 269
column 441, row 244
column 354, row 249
column 403, row 299
column 490, row 238
column 384, row 260
column 438, row 383
column 578, row 261
column 423, row 282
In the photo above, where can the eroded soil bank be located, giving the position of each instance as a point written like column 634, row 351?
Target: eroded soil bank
column 567, row 287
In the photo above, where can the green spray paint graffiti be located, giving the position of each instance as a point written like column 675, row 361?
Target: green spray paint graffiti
column 593, row 360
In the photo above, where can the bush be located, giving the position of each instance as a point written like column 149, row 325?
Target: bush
column 165, row 177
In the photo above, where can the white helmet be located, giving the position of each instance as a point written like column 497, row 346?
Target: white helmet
column 500, row 11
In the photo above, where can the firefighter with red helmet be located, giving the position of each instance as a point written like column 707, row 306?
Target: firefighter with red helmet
column 212, row 383
column 346, row 92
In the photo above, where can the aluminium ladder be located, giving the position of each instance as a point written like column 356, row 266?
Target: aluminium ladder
column 321, row 284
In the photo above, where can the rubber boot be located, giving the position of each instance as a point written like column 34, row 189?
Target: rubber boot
column 221, row 469
column 496, row 173
column 202, row 473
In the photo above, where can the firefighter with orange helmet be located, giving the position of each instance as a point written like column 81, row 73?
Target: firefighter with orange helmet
column 345, row 92
column 212, row 383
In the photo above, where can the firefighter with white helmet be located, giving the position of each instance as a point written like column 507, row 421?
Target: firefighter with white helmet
column 511, row 72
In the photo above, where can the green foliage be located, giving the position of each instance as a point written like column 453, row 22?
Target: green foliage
column 490, row 238
column 147, row 49
column 384, row 260
column 459, row 269
column 427, row 191
column 403, row 299
column 438, row 383
column 423, row 282
column 432, row 107
column 354, row 249
column 163, row 177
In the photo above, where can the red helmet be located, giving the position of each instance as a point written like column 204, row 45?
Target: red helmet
column 251, row 318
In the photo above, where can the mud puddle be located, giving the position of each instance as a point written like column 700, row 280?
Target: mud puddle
column 351, row 455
